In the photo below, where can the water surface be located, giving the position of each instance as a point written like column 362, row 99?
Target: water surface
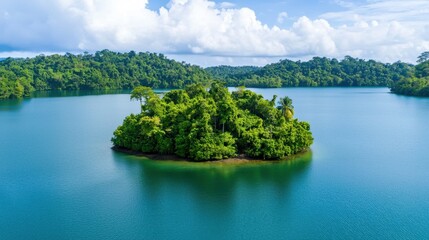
column 366, row 177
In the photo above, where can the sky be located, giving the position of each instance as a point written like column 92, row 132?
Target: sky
column 208, row 32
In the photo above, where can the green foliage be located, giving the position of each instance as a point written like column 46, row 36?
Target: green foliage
column 224, row 72
column 412, row 87
column 417, row 84
column 422, row 70
column 201, row 124
column 104, row 70
column 423, row 57
column 141, row 93
column 318, row 72
column 286, row 107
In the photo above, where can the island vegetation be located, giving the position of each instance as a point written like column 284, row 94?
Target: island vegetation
column 200, row 124
column 418, row 83
column 317, row 72
column 103, row 70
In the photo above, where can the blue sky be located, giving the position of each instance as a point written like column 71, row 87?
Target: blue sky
column 207, row 32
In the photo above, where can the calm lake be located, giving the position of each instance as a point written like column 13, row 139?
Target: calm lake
column 367, row 176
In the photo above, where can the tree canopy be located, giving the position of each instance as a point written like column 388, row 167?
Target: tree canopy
column 104, row 70
column 418, row 83
column 423, row 57
column 107, row 70
column 318, row 72
column 210, row 124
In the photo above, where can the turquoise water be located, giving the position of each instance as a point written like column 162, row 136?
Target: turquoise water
column 366, row 177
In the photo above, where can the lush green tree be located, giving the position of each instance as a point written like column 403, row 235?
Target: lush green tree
column 422, row 69
column 18, row 90
column 412, row 87
column 418, row 83
column 141, row 94
column 423, row 57
column 210, row 124
column 286, row 107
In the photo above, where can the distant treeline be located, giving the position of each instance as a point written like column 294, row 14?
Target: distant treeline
column 107, row 70
column 226, row 72
column 103, row 70
column 318, row 72
column 418, row 83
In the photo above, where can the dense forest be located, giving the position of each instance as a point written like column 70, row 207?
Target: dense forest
column 224, row 72
column 107, row 70
column 200, row 124
column 418, row 83
column 318, row 72
column 100, row 71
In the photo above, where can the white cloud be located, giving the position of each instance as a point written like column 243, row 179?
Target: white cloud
column 227, row 5
column 22, row 54
column 388, row 30
column 384, row 30
column 281, row 17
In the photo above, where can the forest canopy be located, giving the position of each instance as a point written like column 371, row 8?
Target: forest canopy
column 107, row 70
column 103, row 70
column 317, row 72
column 202, row 124
column 418, row 83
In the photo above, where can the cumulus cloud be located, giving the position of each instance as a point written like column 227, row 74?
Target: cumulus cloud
column 384, row 30
column 388, row 30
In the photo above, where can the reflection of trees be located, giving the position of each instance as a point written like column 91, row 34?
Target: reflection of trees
column 214, row 185
column 75, row 93
column 79, row 93
column 11, row 104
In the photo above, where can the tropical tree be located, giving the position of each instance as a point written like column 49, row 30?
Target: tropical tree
column 286, row 107
column 423, row 57
column 103, row 70
column 201, row 124
column 141, row 93
column 18, row 90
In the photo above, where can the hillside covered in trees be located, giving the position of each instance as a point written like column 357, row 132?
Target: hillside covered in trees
column 107, row 70
column 103, row 70
column 318, row 72
column 418, row 83
column 200, row 124
column 224, row 72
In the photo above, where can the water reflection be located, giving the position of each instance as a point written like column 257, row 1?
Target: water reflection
column 11, row 104
column 212, row 186
column 74, row 93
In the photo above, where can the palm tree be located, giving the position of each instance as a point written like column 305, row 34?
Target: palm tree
column 286, row 107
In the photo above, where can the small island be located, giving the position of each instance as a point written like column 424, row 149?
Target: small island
column 209, row 123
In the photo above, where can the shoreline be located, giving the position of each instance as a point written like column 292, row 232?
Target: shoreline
column 240, row 159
